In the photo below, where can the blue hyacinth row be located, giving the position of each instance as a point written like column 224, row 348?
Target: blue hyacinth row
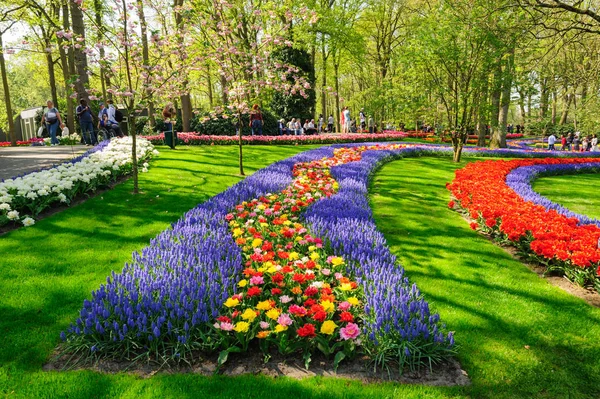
column 521, row 178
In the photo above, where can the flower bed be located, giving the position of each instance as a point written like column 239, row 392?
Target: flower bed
column 486, row 191
column 242, row 266
column 198, row 139
column 23, row 198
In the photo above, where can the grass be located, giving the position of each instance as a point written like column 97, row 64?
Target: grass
column 520, row 337
column 494, row 304
column 578, row 193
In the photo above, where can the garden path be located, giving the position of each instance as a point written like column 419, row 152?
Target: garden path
column 16, row 161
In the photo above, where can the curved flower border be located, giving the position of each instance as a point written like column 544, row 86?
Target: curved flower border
column 520, row 180
column 166, row 300
column 546, row 236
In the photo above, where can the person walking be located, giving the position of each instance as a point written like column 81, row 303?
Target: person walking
column 343, row 121
column 347, row 119
column 256, row 121
column 563, row 142
column 281, row 127
column 371, row 125
column 330, row 123
column 169, row 115
column 551, row 141
column 52, row 120
column 320, row 124
column 595, row 142
column 86, row 122
column 363, row 120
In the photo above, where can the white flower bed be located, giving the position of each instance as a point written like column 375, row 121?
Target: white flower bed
column 23, row 198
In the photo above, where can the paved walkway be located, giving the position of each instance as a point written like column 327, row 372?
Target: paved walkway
column 16, row 161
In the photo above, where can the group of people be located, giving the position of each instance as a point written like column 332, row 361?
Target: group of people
column 108, row 122
column 575, row 142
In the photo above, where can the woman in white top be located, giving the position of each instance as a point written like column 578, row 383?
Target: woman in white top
column 347, row 120
column 298, row 127
column 595, row 143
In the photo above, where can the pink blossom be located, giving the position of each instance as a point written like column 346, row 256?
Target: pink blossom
column 228, row 326
column 257, row 280
column 285, row 320
column 351, row 331
column 264, row 325
column 344, row 306
column 285, row 299
column 326, row 272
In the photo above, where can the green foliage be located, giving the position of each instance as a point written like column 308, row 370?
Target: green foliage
column 296, row 106
column 546, row 127
column 226, row 124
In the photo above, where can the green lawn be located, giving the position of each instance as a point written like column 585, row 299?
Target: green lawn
column 579, row 193
column 494, row 304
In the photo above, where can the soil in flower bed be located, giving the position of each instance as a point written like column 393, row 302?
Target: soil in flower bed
column 360, row 368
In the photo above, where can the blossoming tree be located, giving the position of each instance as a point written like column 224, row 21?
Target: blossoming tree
column 240, row 36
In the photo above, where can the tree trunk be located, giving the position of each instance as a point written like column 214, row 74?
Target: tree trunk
column 240, row 144
column 324, row 80
column 209, row 86
column 51, row 75
column 506, row 89
column 7, row 101
column 186, row 101
column 66, row 57
column 223, row 90
column 544, row 97
column 145, row 57
column 336, row 79
column 131, row 104
column 80, row 58
column 565, row 112
column 554, row 100
column 495, row 139
column 481, row 116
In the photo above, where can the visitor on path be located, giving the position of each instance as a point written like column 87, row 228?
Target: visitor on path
column 343, row 121
column 115, row 116
column 320, row 124
column 347, row 120
column 256, row 121
column 102, row 111
column 363, row 120
column 292, row 126
column 52, row 120
column 576, row 142
column 589, row 143
column 371, row 125
column 86, row 122
column 107, row 129
column 309, row 127
column 563, row 142
column 584, row 144
column 169, row 115
column 595, row 142
column 551, row 141
column 281, row 127
column 299, row 131
column 570, row 139
column 330, row 122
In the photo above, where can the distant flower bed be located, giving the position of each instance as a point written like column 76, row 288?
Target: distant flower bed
column 243, row 267
column 198, row 139
column 23, row 198
column 496, row 194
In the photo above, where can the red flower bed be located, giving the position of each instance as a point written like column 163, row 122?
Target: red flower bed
column 553, row 239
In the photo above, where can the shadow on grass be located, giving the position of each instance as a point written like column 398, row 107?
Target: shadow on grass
column 519, row 336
